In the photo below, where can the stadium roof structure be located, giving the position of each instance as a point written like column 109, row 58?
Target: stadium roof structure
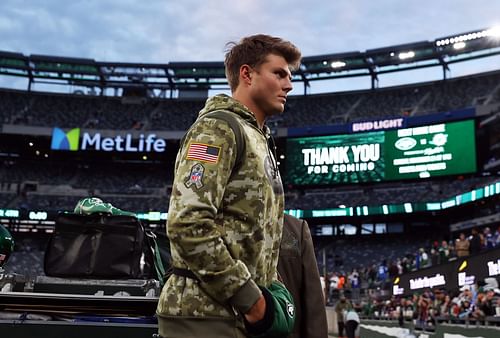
column 202, row 76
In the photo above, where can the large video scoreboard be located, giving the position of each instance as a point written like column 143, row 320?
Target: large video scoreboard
column 409, row 153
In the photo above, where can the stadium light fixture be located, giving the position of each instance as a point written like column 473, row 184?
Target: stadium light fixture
column 459, row 45
column 406, row 55
column 491, row 32
column 337, row 64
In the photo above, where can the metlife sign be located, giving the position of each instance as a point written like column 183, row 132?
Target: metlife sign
column 73, row 141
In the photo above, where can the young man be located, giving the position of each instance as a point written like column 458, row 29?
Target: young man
column 298, row 267
column 226, row 209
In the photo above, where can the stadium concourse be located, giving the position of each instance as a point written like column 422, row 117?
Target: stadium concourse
column 372, row 227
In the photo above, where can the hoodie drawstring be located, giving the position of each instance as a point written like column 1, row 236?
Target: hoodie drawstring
column 271, row 149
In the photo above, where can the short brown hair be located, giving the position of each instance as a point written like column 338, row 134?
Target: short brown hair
column 253, row 50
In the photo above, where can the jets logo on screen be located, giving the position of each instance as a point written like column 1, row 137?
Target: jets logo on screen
column 65, row 141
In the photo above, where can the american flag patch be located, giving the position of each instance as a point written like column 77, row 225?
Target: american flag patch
column 203, row 152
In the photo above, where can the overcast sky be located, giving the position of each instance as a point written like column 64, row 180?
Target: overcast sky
column 160, row 31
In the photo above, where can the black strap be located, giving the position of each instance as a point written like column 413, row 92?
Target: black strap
column 233, row 123
column 184, row 273
column 155, row 251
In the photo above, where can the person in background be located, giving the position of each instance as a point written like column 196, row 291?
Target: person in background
column 352, row 322
column 333, row 287
column 466, row 309
column 475, row 241
column 434, row 257
column 462, row 246
column 496, row 237
column 226, row 212
column 298, row 269
column 489, row 239
column 401, row 312
column 340, row 308
column 341, row 283
column 355, row 284
column 444, row 252
column 423, row 306
column 424, row 258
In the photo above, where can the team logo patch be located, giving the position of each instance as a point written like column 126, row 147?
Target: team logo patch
column 289, row 244
column 196, row 176
column 203, row 152
column 290, row 309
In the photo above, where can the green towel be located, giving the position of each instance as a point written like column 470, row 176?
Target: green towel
column 91, row 205
column 278, row 323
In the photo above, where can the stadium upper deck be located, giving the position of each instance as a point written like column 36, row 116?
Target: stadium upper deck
column 188, row 79
column 94, row 112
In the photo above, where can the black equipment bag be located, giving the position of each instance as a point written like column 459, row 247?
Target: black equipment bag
column 101, row 246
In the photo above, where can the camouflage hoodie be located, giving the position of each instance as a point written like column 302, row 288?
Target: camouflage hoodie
column 223, row 226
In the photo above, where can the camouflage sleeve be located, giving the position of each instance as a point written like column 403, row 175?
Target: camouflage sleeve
column 203, row 168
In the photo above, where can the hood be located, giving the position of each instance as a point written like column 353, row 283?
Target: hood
column 225, row 102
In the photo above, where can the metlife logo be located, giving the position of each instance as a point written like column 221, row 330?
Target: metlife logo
column 65, row 141
column 70, row 141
